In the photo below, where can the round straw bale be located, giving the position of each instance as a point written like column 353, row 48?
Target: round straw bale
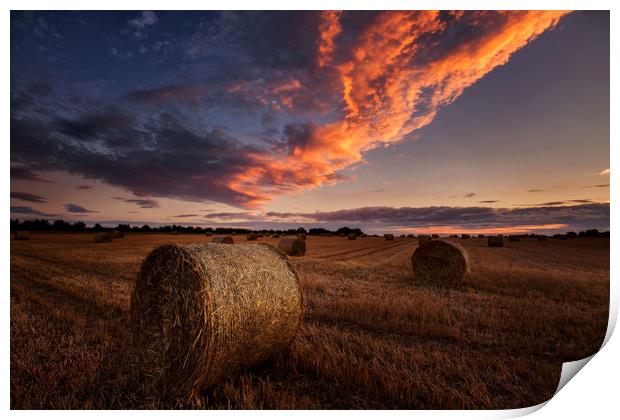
column 388, row 237
column 292, row 246
column 465, row 236
column 352, row 236
column 103, row 237
column 202, row 312
column 495, row 241
column 440, row 263
column 21, row 235
column 251, row 237
column 480, row 235
column 514, row 238
column 301, row 236
column 226, row 239
column 423, row 238
column 434, row 236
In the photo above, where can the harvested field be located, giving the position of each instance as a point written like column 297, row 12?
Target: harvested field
column 371, row 338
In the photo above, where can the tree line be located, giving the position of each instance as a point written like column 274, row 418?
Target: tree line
column 44, row 225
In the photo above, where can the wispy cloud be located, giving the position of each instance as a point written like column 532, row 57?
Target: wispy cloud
column 29, row 211
column 145, row 203
column 75, row 208
column 469, row 195
column 23, row 196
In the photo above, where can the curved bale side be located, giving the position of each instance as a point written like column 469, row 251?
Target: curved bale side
column 388, row 237
column 495, row 241
column 202, row 312
column 227, row 239
column 352, row 236
column 292, row 246
column 440, row 263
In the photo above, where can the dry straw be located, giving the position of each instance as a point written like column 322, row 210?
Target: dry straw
column 292, row 246
column 251, row 237
column 352, row 236
column 223, row 239
column 495, row 241
column 202, row 312
column 388, row 237
column 440, row 263
column 301, row 236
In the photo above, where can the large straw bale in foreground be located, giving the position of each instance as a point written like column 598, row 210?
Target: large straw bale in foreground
column 292, row 246
column 202, row 312
column 440, row 263
column 227, row 239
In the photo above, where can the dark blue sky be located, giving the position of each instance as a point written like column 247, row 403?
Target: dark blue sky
column 269, row 117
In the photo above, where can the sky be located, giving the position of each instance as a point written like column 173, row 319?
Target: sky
column 407, row 121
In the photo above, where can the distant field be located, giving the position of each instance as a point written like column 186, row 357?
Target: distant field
column 372, row 337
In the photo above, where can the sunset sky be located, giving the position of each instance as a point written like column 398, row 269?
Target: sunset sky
column 446, row 122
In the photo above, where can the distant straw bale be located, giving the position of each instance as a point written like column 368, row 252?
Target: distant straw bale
column 104, row 237
column 352, row 236
column 21, row 235
column 440, row 263
column 514, row 238
column 434, row 236
column 481, row 236
column 411, row 236
column 251, row 237
column 495, row 241
column 301, row 235
column 226, row 239
column 118, row 234
column 203, row 312
column 465, row 236
column 388, row 237
column 542, row 237
column 423, row 238
column 292, row 246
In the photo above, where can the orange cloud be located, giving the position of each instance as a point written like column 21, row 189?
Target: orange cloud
column 329, row 29
column 396, row 79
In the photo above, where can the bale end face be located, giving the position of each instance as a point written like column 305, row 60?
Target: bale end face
column 202, row 312
column 292, row 246
column 440, row 263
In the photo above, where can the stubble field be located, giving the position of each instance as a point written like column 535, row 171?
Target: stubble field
column 371, row 336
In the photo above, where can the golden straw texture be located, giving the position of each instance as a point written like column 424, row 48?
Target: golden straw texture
column 440, row 263
column 202, row 312
column 292, row 246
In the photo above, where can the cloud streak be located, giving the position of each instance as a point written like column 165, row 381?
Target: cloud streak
column 23, row 196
